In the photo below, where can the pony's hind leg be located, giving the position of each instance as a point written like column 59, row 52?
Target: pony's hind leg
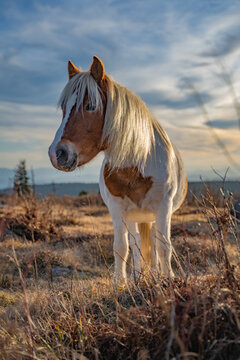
column 154, row 254
column 163, row 240
column 135, row 245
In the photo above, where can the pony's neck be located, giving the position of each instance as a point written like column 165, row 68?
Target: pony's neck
column 129, row 128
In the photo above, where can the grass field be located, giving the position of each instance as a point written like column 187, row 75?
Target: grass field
column 58, row 301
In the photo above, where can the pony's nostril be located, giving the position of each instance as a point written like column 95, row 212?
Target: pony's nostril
column 66, row 158
column 62, row 156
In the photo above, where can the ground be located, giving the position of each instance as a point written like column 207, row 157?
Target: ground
column 58, row 300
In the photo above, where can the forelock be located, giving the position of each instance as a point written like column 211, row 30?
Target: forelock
column 82, row 84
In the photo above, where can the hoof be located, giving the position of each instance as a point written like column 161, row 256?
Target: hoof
column 119, row 280
column 168, row 275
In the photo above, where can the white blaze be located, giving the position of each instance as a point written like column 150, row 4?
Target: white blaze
column 52, row 149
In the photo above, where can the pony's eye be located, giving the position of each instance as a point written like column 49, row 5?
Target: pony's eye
column 90, row 107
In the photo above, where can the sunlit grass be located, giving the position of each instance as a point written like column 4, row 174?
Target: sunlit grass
column 58, row 300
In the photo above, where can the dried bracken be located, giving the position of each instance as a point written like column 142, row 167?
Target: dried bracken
column 82, row 314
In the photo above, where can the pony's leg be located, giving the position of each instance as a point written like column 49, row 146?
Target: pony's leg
column 120, row 249
column 154, row 254
column 135, row 245
column 163, row 240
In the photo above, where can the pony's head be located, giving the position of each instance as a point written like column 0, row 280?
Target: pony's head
column 100, row 114
column 83, row 103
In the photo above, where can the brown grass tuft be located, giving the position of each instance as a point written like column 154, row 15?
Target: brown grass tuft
column 80, row 314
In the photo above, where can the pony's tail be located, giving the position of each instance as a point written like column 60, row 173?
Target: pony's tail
column 144, row 230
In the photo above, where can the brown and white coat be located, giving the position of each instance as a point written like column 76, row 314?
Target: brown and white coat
column 142, row 179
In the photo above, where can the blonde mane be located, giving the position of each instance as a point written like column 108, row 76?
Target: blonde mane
column 129, row 128
column 129, row 125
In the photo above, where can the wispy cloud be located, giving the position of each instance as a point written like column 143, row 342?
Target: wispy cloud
column 223, row 124
column 184, row 101
column 151, row 47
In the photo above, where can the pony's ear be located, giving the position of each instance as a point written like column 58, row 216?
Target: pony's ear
column 97, row 69
column 72, row 70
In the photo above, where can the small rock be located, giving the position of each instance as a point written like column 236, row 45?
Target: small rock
column 61, row 271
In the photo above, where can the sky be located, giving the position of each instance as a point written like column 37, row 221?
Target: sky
column 177, row 55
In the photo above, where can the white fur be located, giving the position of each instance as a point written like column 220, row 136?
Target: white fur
column 52, row 149
column 164, row 197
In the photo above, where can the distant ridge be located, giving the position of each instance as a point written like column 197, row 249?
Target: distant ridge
column 198, row 186
column 50, row 175
column 73, row 189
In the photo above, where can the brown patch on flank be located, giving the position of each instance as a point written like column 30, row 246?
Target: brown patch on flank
column 127, row 182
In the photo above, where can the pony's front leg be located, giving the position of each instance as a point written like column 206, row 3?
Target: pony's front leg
column 135, row 245
column 120, row 249
column 163, row 237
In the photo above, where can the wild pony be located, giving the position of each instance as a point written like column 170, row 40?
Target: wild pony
column 142, row 179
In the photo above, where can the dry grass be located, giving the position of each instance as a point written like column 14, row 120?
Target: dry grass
column 57, row 299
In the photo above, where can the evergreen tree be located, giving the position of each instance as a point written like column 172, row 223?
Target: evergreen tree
column 21, row 186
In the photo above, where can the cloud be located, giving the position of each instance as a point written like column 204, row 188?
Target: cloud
column 28, row 116
column 148, row 46
column 154, row 98
column 222, row 124
column 26, row 131
column 225, row 44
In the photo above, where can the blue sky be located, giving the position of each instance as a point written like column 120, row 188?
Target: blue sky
column 156, row 48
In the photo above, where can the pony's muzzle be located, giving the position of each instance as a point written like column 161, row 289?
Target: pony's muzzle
column 66, row 160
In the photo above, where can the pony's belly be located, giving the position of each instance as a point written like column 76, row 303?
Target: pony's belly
column 140, row 215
